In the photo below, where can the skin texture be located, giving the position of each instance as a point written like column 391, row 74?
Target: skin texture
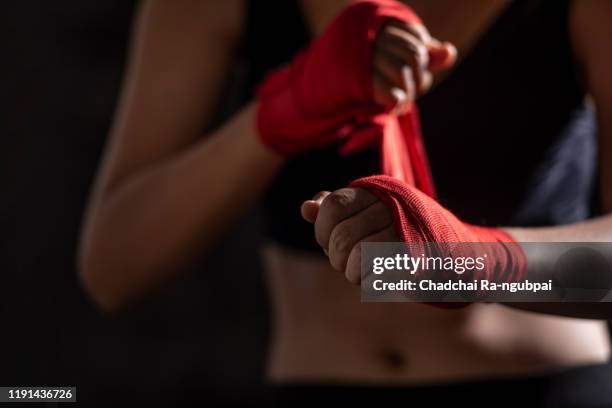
column 405, row 59
column 346, row 217
column 150, row 188
column 159, row 202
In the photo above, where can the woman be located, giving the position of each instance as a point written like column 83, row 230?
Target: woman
column 503, row 117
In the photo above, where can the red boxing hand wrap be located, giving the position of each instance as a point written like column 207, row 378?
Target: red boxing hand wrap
column 325, row 96
column 420, row 219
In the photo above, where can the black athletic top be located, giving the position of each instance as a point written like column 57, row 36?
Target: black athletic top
column 510, row 138
column 584, row 386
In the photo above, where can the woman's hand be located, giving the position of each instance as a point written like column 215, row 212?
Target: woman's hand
column 342, row 220
column 405, row 59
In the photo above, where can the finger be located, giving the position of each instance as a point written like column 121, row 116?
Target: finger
column 391, row 68
column 350, row 231
column 404, row 46
column 385, row 94
column 410, row 47
column 310, row 208
column 338, row 206
column 441, row 55
column 390, row 96
column 411, row 90
column 353, row 264
column 403, row 102
column 417, row 30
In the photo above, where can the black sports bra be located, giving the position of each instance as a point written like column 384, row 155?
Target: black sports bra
column 509, row 136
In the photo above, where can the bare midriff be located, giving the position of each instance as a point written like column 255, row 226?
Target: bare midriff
column 322, row 332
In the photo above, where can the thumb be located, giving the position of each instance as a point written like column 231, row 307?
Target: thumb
column 310, row 208
column 442, row 55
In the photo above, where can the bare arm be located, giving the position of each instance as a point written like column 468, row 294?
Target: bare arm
column 164, row 192
column 348, row 216
column 591, row 36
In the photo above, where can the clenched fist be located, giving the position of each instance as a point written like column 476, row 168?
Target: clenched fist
column 342, row 220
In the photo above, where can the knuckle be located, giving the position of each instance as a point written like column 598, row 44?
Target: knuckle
column 422, row 32
column 337, row 203
column 388, row 30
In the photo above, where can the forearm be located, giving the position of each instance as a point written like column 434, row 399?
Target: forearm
column 157, row 221
column 542, row 260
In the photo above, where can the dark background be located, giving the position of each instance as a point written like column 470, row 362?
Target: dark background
column 61, row 69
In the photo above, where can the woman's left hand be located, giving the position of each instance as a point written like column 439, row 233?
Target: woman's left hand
column 342, row 220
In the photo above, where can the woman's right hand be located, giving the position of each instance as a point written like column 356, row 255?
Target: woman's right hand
column 406, row 57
